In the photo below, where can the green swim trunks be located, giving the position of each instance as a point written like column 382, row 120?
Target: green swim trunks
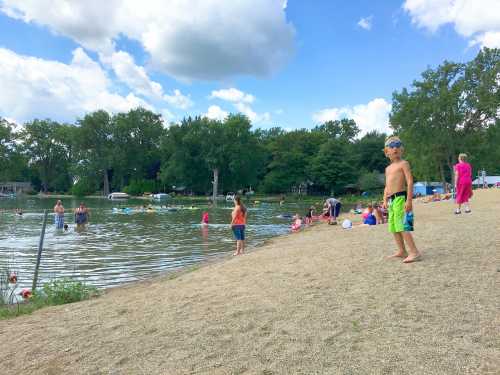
column 399, row 220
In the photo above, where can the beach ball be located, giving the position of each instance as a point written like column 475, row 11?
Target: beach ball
column 347, row 224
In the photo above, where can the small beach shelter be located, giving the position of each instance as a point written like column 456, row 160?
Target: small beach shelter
column 419, row 188
column 490, row 181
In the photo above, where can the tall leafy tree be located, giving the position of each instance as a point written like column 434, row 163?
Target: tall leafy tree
column 95, row 143
column 136, row 138
column 45, row 144
column 291, row 154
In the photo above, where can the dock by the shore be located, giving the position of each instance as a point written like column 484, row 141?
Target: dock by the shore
column 323, row 301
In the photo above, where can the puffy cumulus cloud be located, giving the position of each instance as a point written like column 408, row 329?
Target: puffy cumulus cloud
column 475, row 19
column 369, row 117
column 197, row 39
column 137, row 79
column 178, row 100
column 232, row 95
column 33, row 87
column 241, row 102
column 216, row 113
column 91, row 23
column 366, row 23
column 489, row 39
column 253, row 116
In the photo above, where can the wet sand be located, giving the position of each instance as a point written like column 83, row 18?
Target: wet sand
column 322, row 301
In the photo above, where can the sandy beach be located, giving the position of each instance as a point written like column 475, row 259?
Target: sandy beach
column 322, row 301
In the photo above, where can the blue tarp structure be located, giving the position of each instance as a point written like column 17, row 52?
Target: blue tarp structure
column 427, row 188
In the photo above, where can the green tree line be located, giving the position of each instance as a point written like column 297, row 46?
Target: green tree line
column 451, row 109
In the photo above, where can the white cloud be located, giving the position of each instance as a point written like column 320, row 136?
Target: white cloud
column 197, row 39
column 178, row 100
column 285, row 4
column 232, row 95
column 253, row 116
column 216, row 113
column 136, row 78
column 366, row 23
column 368, row 117
column 132, row 75
column 241, row 102
column 488, row 39
column 33, row 87
column 168, row 117
column 475, row 19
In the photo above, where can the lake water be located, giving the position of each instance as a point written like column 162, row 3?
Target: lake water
column 118, row 247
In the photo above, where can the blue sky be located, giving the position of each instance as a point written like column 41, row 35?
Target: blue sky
column 293, row 64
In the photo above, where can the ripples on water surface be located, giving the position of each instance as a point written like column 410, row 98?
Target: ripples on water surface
column 117, row 248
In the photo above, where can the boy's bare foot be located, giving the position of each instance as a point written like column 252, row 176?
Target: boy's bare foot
column 413, row 258
column 397, row 254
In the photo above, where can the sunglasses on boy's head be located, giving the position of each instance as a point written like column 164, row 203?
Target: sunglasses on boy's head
column 394, row 144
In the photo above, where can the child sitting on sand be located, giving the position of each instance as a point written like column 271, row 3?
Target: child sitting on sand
column 297, row 222
column 368, row 216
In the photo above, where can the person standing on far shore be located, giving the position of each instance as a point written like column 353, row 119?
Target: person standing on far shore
column 238, row 222
column 398, row 196
column 463, row 183
column 59, row 215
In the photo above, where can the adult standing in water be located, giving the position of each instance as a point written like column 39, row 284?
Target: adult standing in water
column 463, row 183
column 238, row 222
column 59, row 214
column 81, row 216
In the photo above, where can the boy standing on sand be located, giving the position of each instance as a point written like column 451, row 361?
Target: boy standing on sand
column 398, row 195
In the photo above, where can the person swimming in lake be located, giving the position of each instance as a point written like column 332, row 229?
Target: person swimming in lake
column 81, row 216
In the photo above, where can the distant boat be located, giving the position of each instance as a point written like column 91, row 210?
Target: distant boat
column 118, row 196
column 160, row 196
column 230, row 197
column 9, row 195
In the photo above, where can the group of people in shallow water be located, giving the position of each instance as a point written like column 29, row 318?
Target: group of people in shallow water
column 81, row 215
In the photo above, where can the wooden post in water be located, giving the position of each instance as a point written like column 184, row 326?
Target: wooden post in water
column 40, row 248
column 215, row 182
